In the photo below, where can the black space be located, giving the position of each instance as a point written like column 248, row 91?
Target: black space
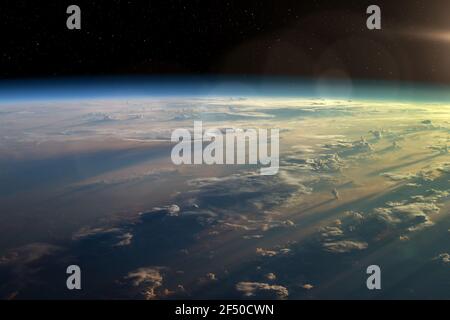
column 295, row 38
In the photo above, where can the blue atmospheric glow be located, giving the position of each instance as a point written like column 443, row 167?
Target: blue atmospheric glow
column 135, row 86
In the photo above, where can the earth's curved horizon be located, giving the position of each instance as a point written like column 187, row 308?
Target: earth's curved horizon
column 87, row 179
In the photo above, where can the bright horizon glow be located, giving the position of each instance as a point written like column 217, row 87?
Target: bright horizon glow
column 210, row 87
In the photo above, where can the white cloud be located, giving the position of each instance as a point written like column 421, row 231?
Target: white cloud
column 235, row 226
column 253, row 236
column 87, row 232
column 331, row 231
column 270, row 276
column 398, row 176
column 250, row 289
column 443, row 257
column 124, row 239
column 414, row 214
column 266, row 252
column 271, row 252
column 211, row 276
column 172, row 210
column 149, row 279
column 307, row 286
column 344, row 246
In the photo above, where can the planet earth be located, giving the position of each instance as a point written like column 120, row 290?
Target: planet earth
column 86, row 179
